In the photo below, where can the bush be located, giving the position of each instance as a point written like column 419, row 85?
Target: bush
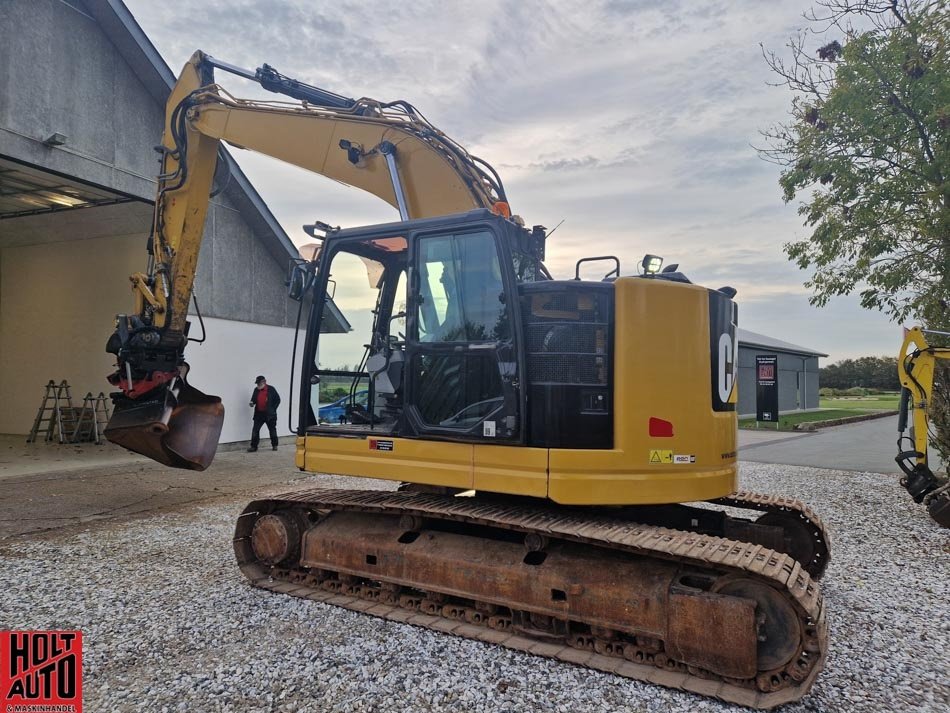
column 826, row 392
column 332, row 393
column 856, row 391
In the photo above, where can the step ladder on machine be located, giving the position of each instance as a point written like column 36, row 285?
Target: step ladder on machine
column 55, row 415
column 92, row 419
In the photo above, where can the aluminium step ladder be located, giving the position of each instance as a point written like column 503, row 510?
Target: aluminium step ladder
column 92, row 419
column 56, row 414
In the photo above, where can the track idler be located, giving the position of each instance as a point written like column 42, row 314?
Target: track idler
column 175, row 424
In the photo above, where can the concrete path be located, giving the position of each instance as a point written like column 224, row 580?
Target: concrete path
column 18, row 458
column 763, row 436
column 34, row 501
column 869, row 446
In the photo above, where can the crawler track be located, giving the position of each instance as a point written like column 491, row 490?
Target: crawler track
column 809, row 540
column 723, row 618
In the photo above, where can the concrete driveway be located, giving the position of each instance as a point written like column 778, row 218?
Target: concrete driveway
column 869, row 446
column 71, row 490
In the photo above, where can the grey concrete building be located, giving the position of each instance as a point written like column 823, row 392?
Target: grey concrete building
column 82, row 101
column 797, row 373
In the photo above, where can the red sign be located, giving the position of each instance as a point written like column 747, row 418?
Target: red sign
column 41, row 671
column 766, row 372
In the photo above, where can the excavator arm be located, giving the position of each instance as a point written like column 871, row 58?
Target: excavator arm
column 916, row 364
column 387, row 149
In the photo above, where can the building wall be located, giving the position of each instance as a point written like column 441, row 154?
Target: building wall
column 62, row 74
column 57, row 309
column 227, row 363
column 112, row 124
column 64, row 275
column 797, row 380
column 237, row 276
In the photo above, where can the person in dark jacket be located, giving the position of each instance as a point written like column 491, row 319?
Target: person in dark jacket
column 264, row 401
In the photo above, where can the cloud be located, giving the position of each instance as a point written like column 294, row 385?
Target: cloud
column 631, row 120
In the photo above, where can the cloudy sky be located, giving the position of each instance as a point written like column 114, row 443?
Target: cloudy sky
column 633, row 121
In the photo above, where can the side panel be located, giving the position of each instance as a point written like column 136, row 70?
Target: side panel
column 517, row 470
column 412, row 461
column 662, row 371
column 567, row 329
column 300, row 452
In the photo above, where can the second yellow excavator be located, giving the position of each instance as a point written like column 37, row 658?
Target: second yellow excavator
column 916, row 367
column 547, row 433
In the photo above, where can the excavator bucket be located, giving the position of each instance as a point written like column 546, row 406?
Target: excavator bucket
column 177, row 425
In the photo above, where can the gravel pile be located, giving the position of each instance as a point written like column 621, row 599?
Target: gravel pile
column 170, row 624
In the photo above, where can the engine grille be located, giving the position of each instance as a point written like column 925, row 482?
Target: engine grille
column 568, row 337
column 567, row 369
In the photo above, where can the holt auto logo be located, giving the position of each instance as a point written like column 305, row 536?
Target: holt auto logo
column 40, row 672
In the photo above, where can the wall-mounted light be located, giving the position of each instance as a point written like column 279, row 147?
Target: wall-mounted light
column 651, row 264
column 56, row 139
column 62, row 199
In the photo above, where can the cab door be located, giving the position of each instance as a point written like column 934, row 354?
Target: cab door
column 462, row 359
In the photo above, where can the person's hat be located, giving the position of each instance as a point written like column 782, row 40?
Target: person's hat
column 259, row 379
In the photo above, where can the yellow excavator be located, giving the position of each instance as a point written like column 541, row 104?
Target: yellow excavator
column 916, row 364
column 565, row 448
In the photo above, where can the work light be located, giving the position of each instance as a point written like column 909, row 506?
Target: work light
column 651, row 264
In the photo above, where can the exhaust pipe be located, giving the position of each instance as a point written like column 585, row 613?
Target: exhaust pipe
column 175, row 424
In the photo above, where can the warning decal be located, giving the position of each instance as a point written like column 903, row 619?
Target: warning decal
column 661, row 456
column 684, row 459
column 375, row 444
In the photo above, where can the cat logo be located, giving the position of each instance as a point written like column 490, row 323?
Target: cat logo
column 723, row 350
column 727, row 366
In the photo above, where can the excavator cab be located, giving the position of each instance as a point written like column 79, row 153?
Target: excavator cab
column 434, row 348
column 471, row 368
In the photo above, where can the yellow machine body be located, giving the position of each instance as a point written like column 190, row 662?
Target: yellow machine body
column 659, row 373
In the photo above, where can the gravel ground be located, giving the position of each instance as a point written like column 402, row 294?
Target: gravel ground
column 170, row 624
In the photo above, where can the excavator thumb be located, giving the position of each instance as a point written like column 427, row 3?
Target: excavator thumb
column 175, row 424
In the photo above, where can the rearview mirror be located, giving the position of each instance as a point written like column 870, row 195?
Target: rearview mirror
column 299, row 281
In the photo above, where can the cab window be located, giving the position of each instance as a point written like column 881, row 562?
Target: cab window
column 461, row 290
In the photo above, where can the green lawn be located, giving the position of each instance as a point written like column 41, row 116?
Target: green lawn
column 885, row 402
column 785, row 423
column 831, row 408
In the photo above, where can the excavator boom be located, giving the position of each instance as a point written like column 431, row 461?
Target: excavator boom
column 387, row 149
